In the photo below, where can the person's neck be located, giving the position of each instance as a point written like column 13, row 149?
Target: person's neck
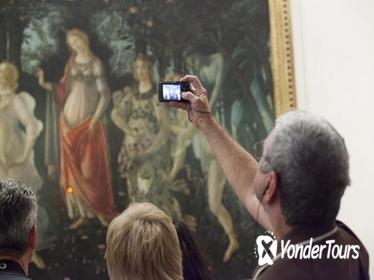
column 281, row 229
column 278, row 223
column 83, row 57
column 145, row 86
column 22, row 261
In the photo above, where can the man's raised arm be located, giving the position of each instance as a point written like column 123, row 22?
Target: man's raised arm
column 237, row 164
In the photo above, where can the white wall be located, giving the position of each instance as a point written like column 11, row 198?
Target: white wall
column 334, row 62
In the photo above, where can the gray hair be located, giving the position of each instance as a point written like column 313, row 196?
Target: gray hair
column 312, row 165
column 18, row 212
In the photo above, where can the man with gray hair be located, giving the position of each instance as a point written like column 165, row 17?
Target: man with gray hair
column 294, row 191
column 18, row 213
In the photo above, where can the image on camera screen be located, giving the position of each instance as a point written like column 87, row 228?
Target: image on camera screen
column 171, row 92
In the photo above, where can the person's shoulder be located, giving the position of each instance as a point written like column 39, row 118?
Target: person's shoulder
column 348, row 234
column 345, row 228
column 97, row 66
column 23, row 98
column 349, row 237
column 284, row 268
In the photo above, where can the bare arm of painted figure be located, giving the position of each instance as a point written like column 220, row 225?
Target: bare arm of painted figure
column 103, row 89
column 163, row 122
column 48, row 86
column 42, row 82
column 4, row 139
column 218, row 68
column 237, row 164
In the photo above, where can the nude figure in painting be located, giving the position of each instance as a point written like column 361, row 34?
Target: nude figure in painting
column 211, row 69
column 83, row 96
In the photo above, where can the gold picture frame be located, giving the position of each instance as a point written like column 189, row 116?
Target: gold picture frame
column 282, row 61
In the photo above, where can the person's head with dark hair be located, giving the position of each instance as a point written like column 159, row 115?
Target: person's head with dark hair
column 294, row 192
column 18, row 210
column 194, row 265
column 308, row 161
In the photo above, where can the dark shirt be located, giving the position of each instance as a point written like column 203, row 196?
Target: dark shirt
column 324, row 268
column 10, row 270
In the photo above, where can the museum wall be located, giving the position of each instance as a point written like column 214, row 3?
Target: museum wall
column 334, row 61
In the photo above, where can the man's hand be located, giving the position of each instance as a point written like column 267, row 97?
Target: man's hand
column 198, row 106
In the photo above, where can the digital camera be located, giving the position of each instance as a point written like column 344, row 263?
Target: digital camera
column 172, row 91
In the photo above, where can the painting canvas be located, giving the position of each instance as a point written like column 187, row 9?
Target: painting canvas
column 81, row 123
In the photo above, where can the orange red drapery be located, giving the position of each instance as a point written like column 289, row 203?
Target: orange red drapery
column 85, row 166
column 84, row 163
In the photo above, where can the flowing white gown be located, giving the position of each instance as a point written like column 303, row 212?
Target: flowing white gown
column 17, row 125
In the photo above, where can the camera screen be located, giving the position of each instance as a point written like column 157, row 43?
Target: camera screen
column 171, row 92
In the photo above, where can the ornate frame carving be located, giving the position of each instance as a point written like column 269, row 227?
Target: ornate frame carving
column 282, row 61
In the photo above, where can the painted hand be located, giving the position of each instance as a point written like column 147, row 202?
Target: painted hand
column 51, row 170
column 40, row 74
column 92, row 126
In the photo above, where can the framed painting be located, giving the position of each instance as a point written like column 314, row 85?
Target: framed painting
column 87, row 72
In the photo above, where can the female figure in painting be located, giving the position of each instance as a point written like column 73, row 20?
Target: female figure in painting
column 145, row 155
column 18, row 131
column 83, row 95
column 211, row 69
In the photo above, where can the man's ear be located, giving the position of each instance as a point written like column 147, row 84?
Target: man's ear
column 272, row 187
column 32, row 238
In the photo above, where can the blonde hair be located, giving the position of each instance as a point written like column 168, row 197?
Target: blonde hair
column 142, row 244
column 11, row 74
column 75, row 32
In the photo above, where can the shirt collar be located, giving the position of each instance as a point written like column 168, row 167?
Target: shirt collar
column 9, row 266
column 300, row 233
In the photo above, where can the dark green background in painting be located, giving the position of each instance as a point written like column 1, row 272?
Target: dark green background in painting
column 165, row 29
